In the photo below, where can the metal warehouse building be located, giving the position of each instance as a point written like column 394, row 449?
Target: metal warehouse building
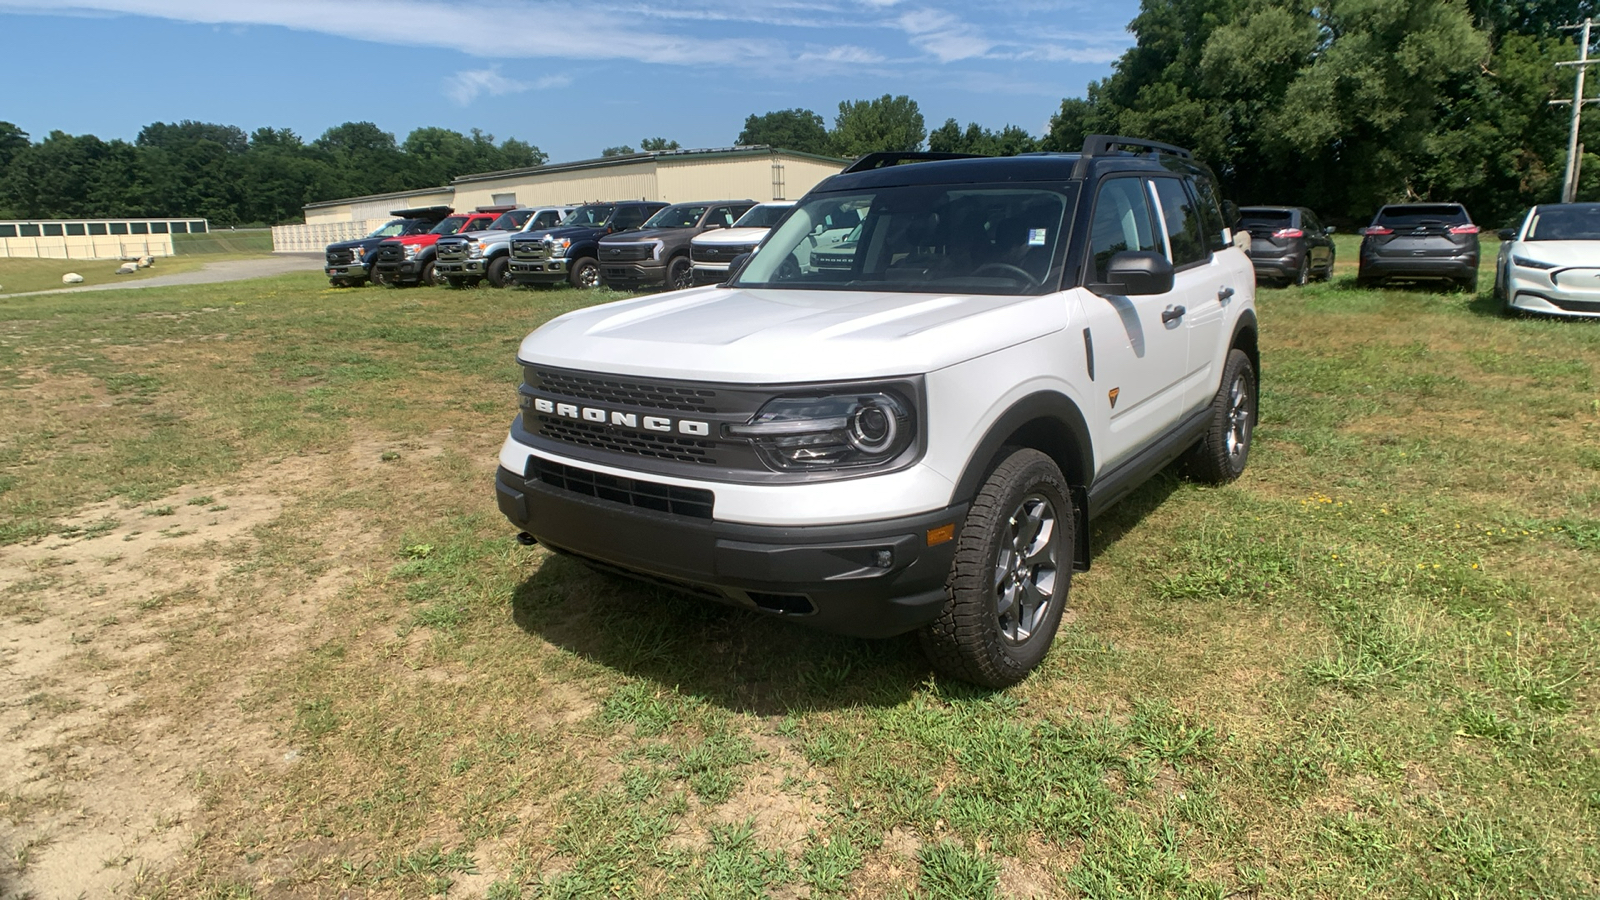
column 756, row 173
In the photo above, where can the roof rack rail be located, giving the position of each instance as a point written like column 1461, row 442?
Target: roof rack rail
column 1102, row 144
column 422, row 212
column 885, row 158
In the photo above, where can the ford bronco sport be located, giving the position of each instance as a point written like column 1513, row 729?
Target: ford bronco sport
column 918, row 441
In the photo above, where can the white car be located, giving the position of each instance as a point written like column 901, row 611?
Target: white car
column 1551, row 263
column 919, row 438
column 713, row 251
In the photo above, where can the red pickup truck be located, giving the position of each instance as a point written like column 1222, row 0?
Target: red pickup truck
column 409, row 260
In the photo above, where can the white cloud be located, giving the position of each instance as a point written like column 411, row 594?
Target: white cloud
column 844, row 53
column 944, row 36
column 468, row 85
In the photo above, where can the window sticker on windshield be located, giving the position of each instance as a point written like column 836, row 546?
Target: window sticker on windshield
column 1036, row 237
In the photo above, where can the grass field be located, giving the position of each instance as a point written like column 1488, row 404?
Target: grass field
column 264, row 634
column 22, row 275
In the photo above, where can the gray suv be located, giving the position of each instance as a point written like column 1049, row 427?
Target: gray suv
column 1420, row 241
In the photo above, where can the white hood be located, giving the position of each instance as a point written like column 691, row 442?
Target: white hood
column 730, row 236
column 1565, row 254
column 773, row 336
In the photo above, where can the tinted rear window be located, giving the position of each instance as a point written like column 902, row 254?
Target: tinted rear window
column 1423, row 214
column 1252, row 219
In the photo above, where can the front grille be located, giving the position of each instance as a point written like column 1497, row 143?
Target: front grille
column 626, row 253
column 680, row 501
column 1583, row 306
column 718, row 254
column 389, row 253
column 533, row 250
column 617, row 392
column 451, row 251
column 344, row 256
column 652, row 446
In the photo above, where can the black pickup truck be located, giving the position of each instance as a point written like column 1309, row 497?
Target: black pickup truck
column 347, row 261
column 568, row 253
column 658, row 253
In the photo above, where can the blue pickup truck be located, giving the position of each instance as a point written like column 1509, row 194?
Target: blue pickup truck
column 569, row 252
column 348, row 262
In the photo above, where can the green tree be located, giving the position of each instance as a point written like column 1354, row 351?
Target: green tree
column 13, row 140
column 787, row 129
column 887, row 123
column 623, row 150
column 656, row 144
column 1009, row 141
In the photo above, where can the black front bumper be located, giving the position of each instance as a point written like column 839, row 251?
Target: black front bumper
column 869, row 579
column 631, row 275
column 408, row 272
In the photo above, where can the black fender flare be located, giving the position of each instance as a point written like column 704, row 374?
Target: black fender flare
column 1245, row 338
column 1052, row 423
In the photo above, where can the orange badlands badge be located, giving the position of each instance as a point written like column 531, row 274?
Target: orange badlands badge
column 1113, row 395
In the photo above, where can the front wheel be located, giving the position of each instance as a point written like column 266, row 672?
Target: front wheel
column 497, row 271
column 428, row 277
column 585, row 274
column 1008, row 584
column 680, row 274
column 1221, row 454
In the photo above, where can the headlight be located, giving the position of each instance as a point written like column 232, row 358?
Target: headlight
column 359, row 252
column 477, row 248
column 655, row 249
column 412, row 250
column 1527, row 263
column 832, row 431
column 557, row 246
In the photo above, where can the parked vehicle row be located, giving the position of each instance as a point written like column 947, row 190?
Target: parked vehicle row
column 467, row 259
column 348, row 263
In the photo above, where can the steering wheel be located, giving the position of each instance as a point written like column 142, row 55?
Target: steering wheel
column 1009, row 269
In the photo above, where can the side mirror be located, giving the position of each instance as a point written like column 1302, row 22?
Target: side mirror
column 1329, row 230
column 735, row 266
column 1506, row 234
column 1136, row 272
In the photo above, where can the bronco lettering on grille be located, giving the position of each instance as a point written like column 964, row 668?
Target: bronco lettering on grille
column 621, row 419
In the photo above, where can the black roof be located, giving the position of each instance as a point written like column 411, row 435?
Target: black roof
column 1100, row 154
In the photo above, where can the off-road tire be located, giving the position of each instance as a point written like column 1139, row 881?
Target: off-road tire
column 497, row 271
column 585, row 274
column 1221, row 455
column 680, row 273
column 967, row 640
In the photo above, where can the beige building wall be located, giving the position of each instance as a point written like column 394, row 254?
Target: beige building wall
column 760, row 176
column 361, row 209
column 631, row 181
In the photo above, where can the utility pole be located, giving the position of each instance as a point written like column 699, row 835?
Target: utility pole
column 1569, row 184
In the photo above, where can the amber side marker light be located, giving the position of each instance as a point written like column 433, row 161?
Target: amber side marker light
column 941, row 535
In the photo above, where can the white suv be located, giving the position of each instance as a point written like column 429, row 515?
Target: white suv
column 917, row 441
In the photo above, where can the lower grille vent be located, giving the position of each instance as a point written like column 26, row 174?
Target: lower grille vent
column 694, row 502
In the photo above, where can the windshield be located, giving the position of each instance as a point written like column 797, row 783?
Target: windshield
column 1570, row 222
column 510, row 221
column 677, row 217
column 934, row 238
column 592, row 216
column 1421, row 214
column 390, row 229
column 449, row 226
column 764, row 216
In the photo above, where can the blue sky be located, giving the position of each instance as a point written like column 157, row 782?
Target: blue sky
column 571, row 78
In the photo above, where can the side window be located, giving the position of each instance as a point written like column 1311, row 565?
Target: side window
column 1211, row 218
column 1122, row 221
column 628, row 217
column 547, row 219
column 1310, row 222
column 1183, row 222
column 722, row 215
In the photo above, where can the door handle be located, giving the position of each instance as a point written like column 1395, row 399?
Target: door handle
column 1172, row 313
column 1224, row 294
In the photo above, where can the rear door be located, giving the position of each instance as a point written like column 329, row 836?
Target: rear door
column 1197, row 288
